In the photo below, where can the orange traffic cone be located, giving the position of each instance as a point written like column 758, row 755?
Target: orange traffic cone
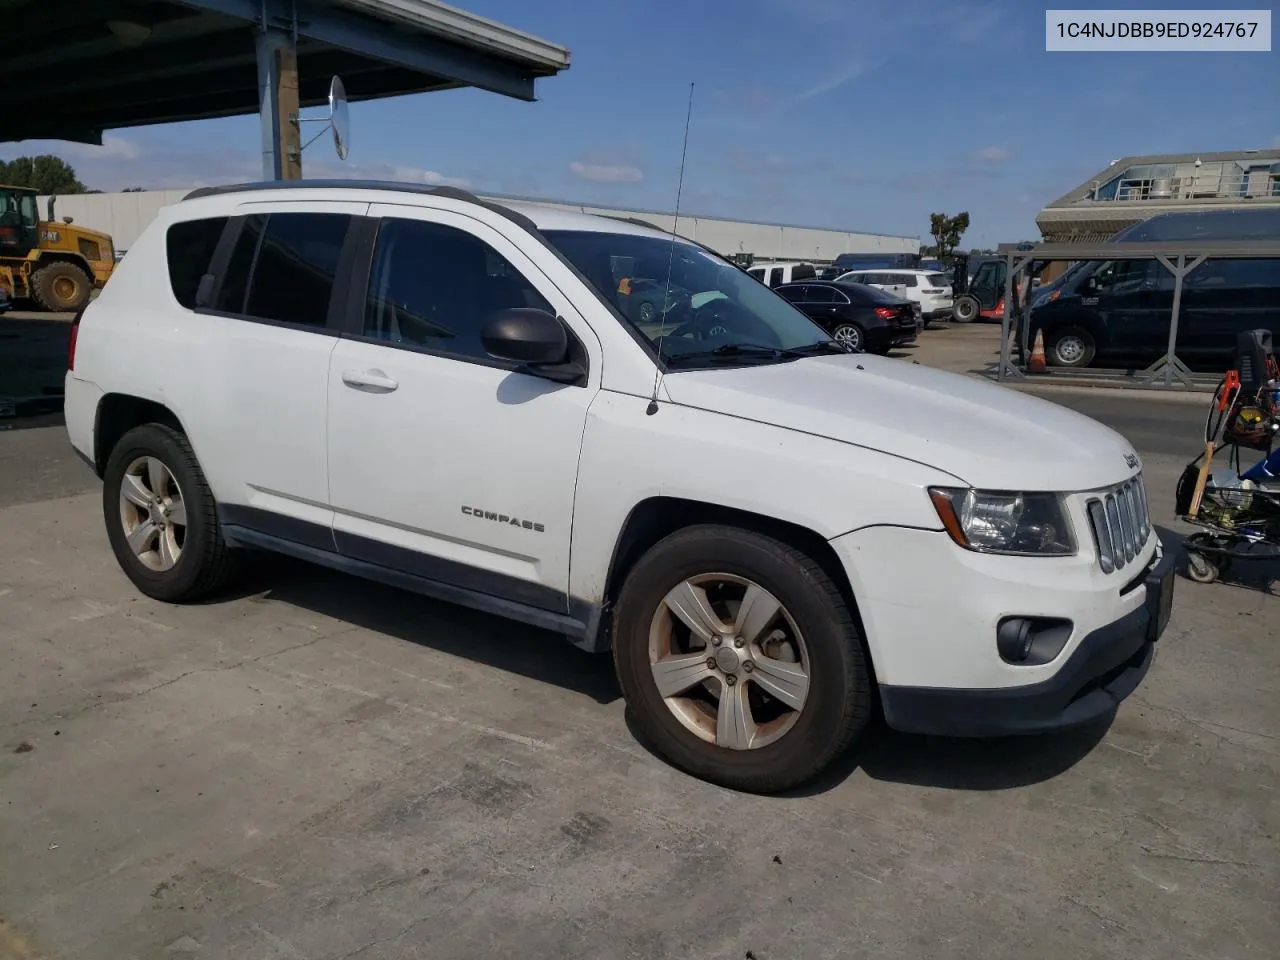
column 1036, row 363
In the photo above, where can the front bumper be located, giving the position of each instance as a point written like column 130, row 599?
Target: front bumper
column 1105, row 667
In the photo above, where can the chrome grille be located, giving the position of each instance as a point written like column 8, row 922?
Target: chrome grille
column 1121, row 524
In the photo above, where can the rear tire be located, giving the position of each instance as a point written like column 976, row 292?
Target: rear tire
column 965, row 309
column 61, row 287
column 851, row 335
column 161, row 517
column 784, row 740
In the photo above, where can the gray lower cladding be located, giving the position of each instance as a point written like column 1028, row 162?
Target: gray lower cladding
column 540, row 606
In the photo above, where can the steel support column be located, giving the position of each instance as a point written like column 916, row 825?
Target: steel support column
column 278, row 104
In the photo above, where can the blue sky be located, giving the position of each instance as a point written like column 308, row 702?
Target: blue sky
column 858, row 114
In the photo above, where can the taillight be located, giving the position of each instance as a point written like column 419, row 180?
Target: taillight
column 885, row 313
column 71, row 346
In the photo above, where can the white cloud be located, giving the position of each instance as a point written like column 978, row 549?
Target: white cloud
column 606, row 172
column 992, row 154
column 855, row 66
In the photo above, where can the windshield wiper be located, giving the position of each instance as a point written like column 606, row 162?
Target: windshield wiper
column 822, row 346
column 735, row 351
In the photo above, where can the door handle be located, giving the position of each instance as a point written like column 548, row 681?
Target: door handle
column 371, row 381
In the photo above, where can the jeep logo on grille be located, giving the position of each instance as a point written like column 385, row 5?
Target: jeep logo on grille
column 1131, row 459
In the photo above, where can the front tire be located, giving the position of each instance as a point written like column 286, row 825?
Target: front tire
column 61, row 287
column 161, row 517
column 1071, row 347
column 965, row 309
column 739, row 659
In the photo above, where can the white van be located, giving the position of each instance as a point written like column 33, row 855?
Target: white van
column 447, row 394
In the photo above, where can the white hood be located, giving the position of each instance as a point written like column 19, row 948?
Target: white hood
column 987, row 435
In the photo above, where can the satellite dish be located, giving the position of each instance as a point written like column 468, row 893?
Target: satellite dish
column 339, row 118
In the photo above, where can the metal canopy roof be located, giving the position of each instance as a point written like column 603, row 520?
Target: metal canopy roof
column 1213, row 249
column 74, row 68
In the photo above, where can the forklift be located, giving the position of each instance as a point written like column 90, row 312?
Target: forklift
column 54, row 265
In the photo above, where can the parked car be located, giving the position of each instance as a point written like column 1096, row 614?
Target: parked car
column 440, row 392
column 1113, row 311
column 776, row 274
column 863, row 318
column 930, row 289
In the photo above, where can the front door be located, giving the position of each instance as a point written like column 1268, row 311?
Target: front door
column 445, row 463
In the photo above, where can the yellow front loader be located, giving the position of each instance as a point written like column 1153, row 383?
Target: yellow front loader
column 54, row 265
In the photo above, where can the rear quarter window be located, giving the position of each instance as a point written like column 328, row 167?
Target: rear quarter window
column 189, row 247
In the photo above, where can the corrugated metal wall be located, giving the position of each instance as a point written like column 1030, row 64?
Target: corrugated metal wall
column 125, row 215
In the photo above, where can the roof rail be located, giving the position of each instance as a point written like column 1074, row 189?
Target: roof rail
column 393, row 186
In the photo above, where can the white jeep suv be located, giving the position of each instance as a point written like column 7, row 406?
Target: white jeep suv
column 443, row 393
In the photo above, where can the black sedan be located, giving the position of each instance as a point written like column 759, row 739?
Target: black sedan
column 861, row 317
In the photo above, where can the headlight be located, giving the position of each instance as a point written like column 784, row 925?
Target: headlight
column 1005, row 522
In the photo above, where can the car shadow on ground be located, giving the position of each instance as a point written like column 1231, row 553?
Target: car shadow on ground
column 881, row 753
column 479, row 637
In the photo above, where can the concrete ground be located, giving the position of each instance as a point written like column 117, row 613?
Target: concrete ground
column 316, row 767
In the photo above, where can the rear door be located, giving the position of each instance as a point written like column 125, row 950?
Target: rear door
column 276, row 304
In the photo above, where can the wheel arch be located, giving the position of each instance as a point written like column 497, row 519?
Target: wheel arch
column 117, row 414
column 655, row 518
column 47, row 257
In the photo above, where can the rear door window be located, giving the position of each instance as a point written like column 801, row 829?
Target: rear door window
column 293, row 277
column 816, row 294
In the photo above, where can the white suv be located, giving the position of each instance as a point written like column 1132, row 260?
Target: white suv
column 445, row 394
column 930, row 289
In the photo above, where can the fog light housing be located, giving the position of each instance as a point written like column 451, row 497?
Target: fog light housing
column 1030, row 641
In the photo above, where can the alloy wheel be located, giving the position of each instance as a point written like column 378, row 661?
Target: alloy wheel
column 729, row 661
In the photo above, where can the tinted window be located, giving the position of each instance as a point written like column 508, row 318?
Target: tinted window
column 1236, row 274
column 803, row 272
column 1119, row 277
column 939, row 280
column 236, row 281
column 793, row 293
column 189, row 247
column 434, row 286
column 297, row 260
column 814, row 294
column 906, row 279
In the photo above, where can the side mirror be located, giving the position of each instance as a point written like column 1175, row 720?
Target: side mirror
column 533, row 338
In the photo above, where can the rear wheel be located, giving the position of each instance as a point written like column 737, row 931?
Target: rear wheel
column 739, row 659
column 850, row 335
column 61, row 287
column 1201, row 569
column 161, row 517
column 965, row 309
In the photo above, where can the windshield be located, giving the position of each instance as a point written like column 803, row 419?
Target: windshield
column 719, row 311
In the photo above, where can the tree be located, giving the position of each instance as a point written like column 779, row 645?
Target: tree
column 134, row 190
column 947, row 231
column 46, row 174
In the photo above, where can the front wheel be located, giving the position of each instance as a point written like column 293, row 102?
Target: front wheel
column 965, row 309
column 61, row 287
column 1201, row 568
column 739, row 659
column 850, row 335
column 1071, row 347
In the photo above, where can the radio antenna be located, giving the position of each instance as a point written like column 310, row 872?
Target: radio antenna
column 671, row 253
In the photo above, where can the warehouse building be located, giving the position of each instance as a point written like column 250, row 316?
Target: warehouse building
column 125, row 215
